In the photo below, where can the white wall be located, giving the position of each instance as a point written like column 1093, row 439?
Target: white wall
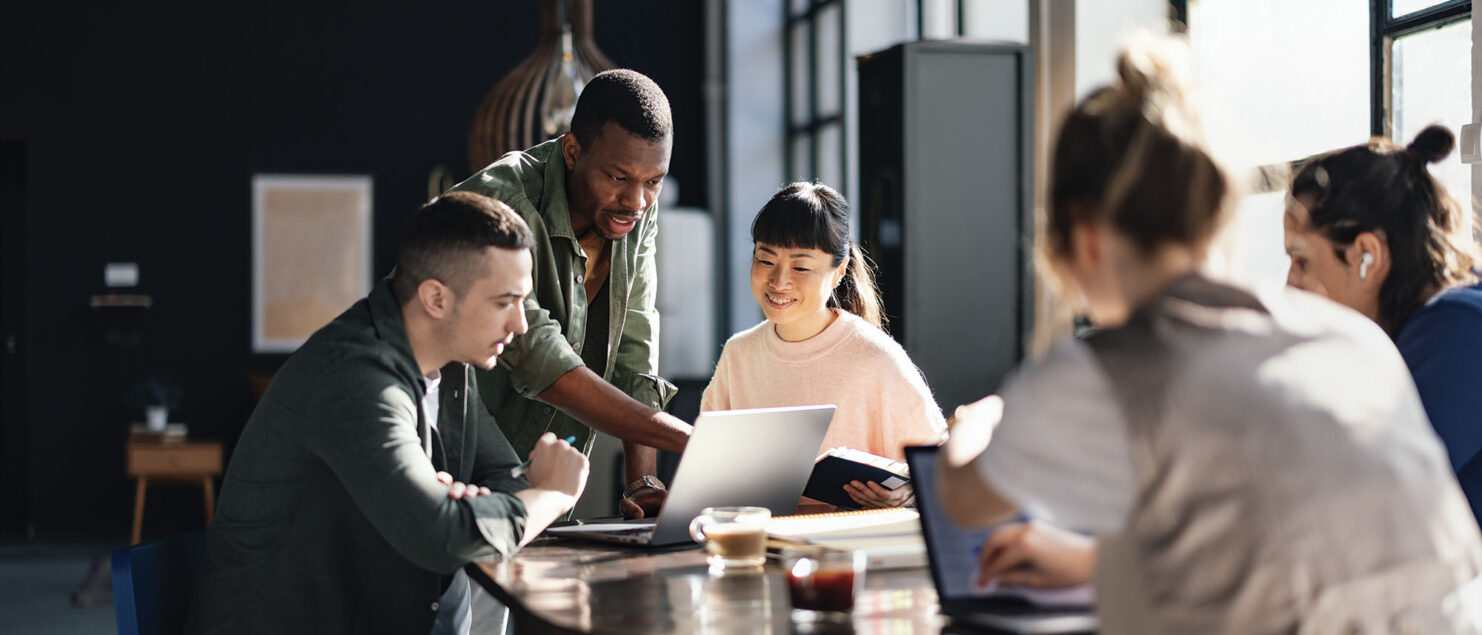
column 1102, row 27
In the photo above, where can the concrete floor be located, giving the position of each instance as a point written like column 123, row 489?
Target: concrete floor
column 36, row 584
column 37, row 581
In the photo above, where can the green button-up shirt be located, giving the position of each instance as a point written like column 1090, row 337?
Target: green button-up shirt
column 534, row 184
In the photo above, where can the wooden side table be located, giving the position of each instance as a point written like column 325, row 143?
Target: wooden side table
column 152, row 461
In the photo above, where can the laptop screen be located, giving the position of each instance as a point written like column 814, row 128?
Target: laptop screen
column 952, row 550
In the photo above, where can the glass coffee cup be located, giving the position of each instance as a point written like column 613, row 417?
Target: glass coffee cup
column 734, row 537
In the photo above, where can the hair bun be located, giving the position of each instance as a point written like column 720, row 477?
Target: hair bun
column 1152, row 66
column 1432, row 144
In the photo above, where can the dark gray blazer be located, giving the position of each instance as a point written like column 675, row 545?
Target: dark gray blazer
column 331, row 519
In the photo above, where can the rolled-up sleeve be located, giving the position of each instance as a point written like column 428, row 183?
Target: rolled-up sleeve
column 540, row 356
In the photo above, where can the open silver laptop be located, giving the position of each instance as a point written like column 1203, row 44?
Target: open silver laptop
column 759, row 457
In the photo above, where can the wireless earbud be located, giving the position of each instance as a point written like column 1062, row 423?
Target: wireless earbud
column 1365, row 261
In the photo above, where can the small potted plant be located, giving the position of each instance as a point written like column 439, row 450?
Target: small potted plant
column 156, row 395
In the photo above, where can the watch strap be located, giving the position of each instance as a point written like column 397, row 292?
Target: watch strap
column 646, row 481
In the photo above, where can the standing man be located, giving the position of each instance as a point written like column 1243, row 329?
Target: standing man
column 345, row 508
column 591, row 355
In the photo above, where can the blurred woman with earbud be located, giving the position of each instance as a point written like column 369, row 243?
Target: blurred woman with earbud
column 1369, row 227
column 1245, row 465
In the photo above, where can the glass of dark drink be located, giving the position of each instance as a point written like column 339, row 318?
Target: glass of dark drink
column 822, row 583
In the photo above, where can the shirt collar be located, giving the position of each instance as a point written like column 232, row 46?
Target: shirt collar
column 556, row 207
column 386, row 318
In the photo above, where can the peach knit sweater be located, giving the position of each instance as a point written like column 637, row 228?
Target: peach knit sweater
column 883, row 402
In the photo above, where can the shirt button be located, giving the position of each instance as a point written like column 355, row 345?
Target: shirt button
column 434, row 607
column 578, row 278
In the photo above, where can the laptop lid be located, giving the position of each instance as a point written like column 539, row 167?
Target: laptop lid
column 760, row 457
column 952, row 553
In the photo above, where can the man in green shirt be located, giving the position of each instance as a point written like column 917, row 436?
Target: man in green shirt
column 591, row 354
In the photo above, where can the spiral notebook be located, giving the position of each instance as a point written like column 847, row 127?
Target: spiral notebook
column 890, row 538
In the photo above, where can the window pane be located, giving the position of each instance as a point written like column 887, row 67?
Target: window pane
column 1406, row 7
column 802, row 158
column 802, row 76
column 996, row 20
column 1431, row 83
column 831, row 156
column 799, row 7
column 1272, row 92
column 830, row 64
column 876, row 25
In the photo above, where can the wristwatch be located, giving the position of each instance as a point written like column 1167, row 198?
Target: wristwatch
column 645, row 481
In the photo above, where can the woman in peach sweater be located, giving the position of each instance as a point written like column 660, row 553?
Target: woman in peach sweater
column 822, row 341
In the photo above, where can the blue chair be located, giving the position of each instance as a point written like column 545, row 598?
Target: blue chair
column 152, row 584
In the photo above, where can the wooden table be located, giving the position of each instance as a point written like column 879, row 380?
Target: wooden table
column 152, row 461
column 561, row 586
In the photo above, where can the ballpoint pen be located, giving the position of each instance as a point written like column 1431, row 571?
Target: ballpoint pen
column 519, row 470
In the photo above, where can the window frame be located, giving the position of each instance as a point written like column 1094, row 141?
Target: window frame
column 1383, row 31
column 813, row 123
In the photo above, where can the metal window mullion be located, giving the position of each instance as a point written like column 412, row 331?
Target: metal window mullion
column 920, row 20
column 787, row 64
column 843, row 66
column 1378, row 68
column 1430, row 17
column 812, row 127
column 813, row 91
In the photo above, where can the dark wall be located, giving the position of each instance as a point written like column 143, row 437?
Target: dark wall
column 143, row 128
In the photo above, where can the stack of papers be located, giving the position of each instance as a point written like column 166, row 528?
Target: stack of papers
column 890, row 538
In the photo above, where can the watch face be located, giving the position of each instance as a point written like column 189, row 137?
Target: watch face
column 640, row 483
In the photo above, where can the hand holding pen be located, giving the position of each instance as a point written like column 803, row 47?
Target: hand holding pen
column 519, row 470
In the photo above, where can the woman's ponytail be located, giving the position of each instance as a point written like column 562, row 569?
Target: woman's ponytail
column 856, row 292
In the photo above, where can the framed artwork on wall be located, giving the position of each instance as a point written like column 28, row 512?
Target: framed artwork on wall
column 311, row 254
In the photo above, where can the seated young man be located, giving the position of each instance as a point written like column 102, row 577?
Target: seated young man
column 368, row 474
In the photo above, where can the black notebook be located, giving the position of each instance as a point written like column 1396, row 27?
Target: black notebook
column 842, row 465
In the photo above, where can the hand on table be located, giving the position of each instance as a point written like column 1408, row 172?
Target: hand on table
column 644, row 503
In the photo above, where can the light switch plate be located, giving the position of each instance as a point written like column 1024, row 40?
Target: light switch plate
column 1470, row 150
column 121, row 274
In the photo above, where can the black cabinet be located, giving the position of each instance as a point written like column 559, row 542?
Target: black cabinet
column 946, row 193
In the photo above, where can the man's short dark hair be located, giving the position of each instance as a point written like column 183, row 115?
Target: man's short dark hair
column 627, row 97
column 445, row 239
